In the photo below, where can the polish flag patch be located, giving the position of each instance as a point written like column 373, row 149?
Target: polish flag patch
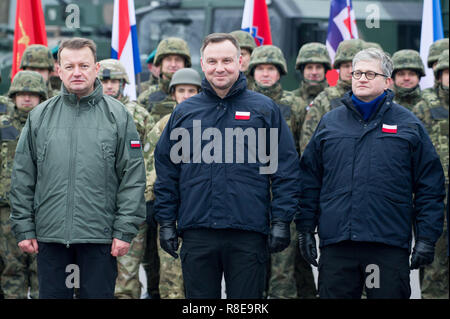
column 389, row 129
column 242, row 116
column 135, row 144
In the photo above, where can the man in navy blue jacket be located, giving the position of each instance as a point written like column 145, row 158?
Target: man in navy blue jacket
column 368, row 176
column 227, row 180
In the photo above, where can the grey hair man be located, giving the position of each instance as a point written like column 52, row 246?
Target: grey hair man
column 368, row 176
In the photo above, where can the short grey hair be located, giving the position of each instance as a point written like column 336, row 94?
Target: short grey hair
column 375, row 54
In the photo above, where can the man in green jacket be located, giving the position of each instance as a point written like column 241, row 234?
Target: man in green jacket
column 78, row 182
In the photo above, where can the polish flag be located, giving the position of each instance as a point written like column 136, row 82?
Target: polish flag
column 242, row 115
column 389, row 128
column 255, row 20
column 135, row 144
column 124, row 42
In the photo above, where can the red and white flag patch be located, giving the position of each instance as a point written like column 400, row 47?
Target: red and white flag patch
column 389, row 129
column 135, row 144
column 242, row 115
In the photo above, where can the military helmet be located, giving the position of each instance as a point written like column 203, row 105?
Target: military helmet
column 245, row 40
column 112, row 69
column 268, row 54
column 442, row 63
column 185, row 76
column 28, row 81
column 313, row 52
column 346, row 51
column 435, row 51
column 37, row 56
column 408, row 59
column 172, row 46
column 375, row 45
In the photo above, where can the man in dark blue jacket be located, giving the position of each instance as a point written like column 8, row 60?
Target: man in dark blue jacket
column 218, row 185
column 368, row 176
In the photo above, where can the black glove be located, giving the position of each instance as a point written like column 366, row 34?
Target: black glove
column 168, row 238
column 279, row 237
column 423, row 254
column 307, row 244
column 150, row 218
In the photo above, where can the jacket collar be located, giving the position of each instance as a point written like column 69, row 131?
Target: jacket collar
column 90, row 99
column 238, row 87
column 383, row 106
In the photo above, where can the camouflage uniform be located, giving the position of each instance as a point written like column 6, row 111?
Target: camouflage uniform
column 152, row 80
column 327, row 100
column 128, row 284
column 433, row 112
column 246, row 41
column 313, row 52
column 40, row 57
column 407, row 59
column 20, row 269
column 156, row 99
column 281, row 282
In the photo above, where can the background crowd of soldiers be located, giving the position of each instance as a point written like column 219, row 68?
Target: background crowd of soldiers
column 290, row 275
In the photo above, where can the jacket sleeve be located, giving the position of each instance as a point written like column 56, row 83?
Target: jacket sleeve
column 166, row 188
column 285, row 178
column 130, row 171
column 429, row 190
column 23, row 181
column 311, row 172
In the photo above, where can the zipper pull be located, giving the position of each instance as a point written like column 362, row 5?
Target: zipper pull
column 67, row 246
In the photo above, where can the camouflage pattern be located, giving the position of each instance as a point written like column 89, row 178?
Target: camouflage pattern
column 407, row 97
column 112, row 69
column 433, row 112
column 157, row 99
column 442, row 63
column 37, row 56
column 128, row 285
column 323, row 103
column 408, row 59
column 185, row 76
column 435, row 51
column 375, row 45
column 6, row 105
column 313, row 52
column 245, row 40
column 28, row 81
column 19, row 269
column 173, row 46
column 171, row 285
column 147, row 84
column 268, row 54
column 347, row 50
column 307, row 91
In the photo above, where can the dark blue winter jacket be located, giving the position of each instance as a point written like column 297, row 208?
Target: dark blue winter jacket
column 358, row 178
column 215, row 183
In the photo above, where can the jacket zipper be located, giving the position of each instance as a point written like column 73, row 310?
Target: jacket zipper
column 70, row 194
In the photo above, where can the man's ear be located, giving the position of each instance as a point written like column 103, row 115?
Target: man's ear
column 389, row 83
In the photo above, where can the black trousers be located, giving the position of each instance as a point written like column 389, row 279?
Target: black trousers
column 241, row 256
column 347, row 267
column 89, row 266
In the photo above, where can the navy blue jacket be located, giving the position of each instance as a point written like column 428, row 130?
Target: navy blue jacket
column 357, row 181
column 225, row 193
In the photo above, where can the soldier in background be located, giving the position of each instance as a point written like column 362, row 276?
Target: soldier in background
column 433, row 112
column 185, row 83
column 313, row 62
column 267, row 66
column 154, row 72
column 329, row 98
column 27, row 90
column 55, row 81
column 39, row 58
column 247, row 45
column 408, row 69
column 172, row 54
column 113, row 76
column 435, row 51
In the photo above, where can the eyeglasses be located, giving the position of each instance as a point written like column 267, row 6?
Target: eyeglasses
column 370, row 75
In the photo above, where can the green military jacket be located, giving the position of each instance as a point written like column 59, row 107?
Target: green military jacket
column 433, row 112
column 323, row 103
column 308, row 92
column 157, row 99
column 78, row 174
column 407, row 97
column 6, row 105
column 10, row 128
